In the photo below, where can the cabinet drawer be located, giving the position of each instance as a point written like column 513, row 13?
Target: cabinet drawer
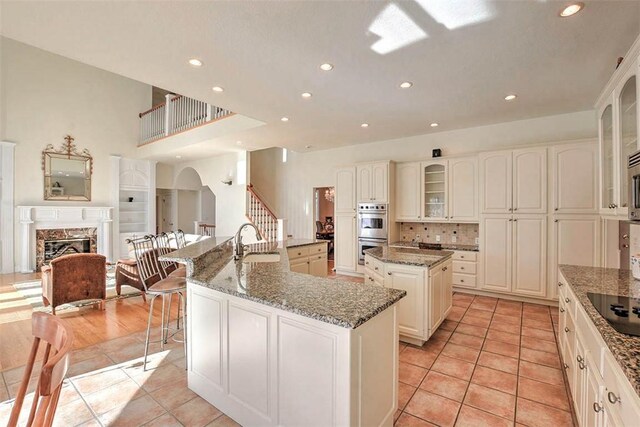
column 568, row 335
column 591, row 339
column 619, row 397
column 569, row 301
column 299, row 252
column 318, row 249
column 464, row 267
column 377, row 267
column 464, row 280
column 465, row 255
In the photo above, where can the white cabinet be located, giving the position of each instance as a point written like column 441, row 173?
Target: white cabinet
column 465, row 269
column 299, row 266
column 609, row 182
column 346, row 243
column 514, row 254
column 318, row 265
column 628, row 133
column 345, row 198
column 575, row 174
column 309, row 259
column 514, row 181
column 434, row 191
column 373, row 182
column 408, row 188
column 463, row 189
column 529, row 256
column 411, row 309
column 436, row 292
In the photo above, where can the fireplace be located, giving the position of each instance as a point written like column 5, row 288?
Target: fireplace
column 53, row 243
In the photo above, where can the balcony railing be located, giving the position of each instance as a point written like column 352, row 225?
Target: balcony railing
column 178, row 113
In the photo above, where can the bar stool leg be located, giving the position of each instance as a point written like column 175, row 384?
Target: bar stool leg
column 168, row 318
column 179, row 307
column 183, row 302
column 146, row 341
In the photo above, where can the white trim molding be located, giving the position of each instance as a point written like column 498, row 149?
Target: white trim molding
column 7, row 152
column 34, row 218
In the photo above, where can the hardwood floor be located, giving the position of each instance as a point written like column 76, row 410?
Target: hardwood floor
column 90, row 325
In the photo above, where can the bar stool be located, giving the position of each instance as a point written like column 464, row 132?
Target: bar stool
column 158, row 283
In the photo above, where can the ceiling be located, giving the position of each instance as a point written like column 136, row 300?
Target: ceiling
column 463, row 57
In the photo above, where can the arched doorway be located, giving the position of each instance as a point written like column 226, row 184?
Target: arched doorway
column 185, row 204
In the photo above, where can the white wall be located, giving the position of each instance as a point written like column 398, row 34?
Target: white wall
column 188, row 209
column 289, row 186
column 230, row 199
column 45, row 97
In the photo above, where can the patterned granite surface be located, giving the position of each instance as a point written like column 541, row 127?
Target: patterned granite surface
column 445, row 246
column 409, row 256
column 609, row 281
column 294, row 243
column 197, row 253
column 345, row 304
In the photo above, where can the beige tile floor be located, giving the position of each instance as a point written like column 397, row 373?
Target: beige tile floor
column 493, row 362
column 106, row 386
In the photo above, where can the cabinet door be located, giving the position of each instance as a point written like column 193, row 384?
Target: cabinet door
column 579, row 381
column 628, row 135
column 447, row 292
column 300, row 265
column 607, row 168
column 318, row 265
column 346, row 243
column 364, row 183
column 434, row 188
column 345, row 198
column 380, row 182
column 575, row 177
column 576, row 241
column 530, row 181
column 463, row 189
column 411, row 307
column 496, row 238
column 496, row 182
column 529, row 259
column 408, row 198
column 435, row 299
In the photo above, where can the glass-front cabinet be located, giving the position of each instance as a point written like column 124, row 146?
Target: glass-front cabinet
column 434, row 186
column 618, row 134
column 628, row 134
column 607, row 155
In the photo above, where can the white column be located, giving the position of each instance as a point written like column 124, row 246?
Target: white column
column 27, row 244
column 282, row 230
column 6, row 207
column 167, row 114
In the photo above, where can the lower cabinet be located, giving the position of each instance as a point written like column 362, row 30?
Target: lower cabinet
column 311, row 259
column 429, row 295
column 346, row 243
column 601, row 393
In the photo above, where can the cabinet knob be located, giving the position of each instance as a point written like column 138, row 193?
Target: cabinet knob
column 561, row 310
column 579, row 359
column 581, row 365
column 565, row 366
column 510, row 209
column 559, row 284
column 389, row 273
column 375, row 268
column 555, row 220
column 566, row 329
column 613, row 206
column 461, row 280
column 611, row 396
column 461, row 268
column 555, row 209
column 596, row 407
column 567, row 300
column 515, row 220
column 367, row 263
column 461, row 256
column 515, row 209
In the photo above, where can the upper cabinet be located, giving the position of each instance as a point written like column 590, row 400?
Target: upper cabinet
column 345, row 200
column 575, row 172
column 373, row 182
column 514, row 181
column 437, row 191
column 408, row 190
column 618, row 134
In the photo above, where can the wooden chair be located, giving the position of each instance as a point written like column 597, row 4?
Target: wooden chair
column 207, row 230
column 59, row 341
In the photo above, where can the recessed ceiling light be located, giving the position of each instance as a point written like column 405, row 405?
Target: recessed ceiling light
column 217, row 89
column 364, row 125
column 285, row 119
column 434, row 125
column 306, row 95
column 326, row 67
column 571, row 10
column 178, row 157
column 195, row 62
column 406, row 85
column 510, row 97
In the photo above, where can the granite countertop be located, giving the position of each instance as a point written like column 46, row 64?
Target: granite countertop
column 445, row 246
column 345, row 304
column 295, row 243
column 609, row 281
column 409, row 256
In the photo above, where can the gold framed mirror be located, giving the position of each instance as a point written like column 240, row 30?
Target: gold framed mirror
column 67, row 172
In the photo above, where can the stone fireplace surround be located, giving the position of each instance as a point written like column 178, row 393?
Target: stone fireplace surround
column 42, row 236
column 55, row 217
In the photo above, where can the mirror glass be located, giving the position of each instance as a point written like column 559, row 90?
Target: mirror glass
column 67, row 176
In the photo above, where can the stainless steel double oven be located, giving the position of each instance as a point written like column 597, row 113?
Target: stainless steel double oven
column 372, row 227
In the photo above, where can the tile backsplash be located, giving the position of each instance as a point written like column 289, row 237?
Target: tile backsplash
column 462, row 234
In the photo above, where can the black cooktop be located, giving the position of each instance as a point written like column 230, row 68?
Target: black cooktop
column 432, row 246
column 622, row 313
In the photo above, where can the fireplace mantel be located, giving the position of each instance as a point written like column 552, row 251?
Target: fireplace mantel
column 32, row 218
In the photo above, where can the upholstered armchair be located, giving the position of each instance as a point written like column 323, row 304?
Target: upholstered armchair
column 75, row 277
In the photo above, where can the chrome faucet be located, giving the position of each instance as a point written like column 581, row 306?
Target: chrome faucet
column 239, row 249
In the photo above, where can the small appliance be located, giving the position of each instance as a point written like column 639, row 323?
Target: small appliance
column 372, row 227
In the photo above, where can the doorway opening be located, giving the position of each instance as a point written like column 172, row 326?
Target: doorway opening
column 323, row 214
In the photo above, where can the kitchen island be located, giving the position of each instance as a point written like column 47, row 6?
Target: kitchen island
column 425, row 275
column 268, row 346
